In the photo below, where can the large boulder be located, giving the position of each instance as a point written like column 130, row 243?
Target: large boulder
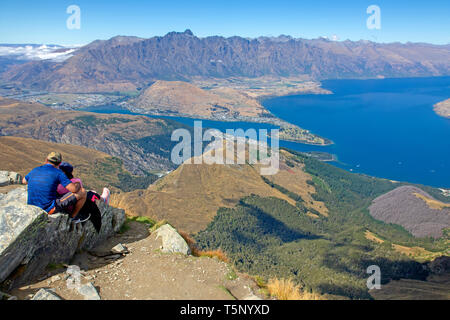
column 30, row 239
column 89, row 292
column 46, row 294
column 171, row 241
column 9, row 177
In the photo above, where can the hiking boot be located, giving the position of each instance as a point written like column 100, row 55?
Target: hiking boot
column 105, row 196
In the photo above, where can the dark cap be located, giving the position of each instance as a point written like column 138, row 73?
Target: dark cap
column 66, row 167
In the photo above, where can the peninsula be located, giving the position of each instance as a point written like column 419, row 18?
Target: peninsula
column 443, row 108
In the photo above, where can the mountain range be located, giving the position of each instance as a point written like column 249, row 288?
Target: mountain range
column 126, row 63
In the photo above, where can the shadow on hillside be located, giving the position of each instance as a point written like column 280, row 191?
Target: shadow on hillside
column 344, row 291
column 268, row 225
column 357, row 265
column 390, row 269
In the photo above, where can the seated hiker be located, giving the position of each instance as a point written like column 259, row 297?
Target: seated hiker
column 67, row 168
column 89, row 211
column 43, row 183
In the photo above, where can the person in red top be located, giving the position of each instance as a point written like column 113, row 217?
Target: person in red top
column 67, row 168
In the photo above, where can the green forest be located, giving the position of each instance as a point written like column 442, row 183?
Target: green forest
column 269, row 237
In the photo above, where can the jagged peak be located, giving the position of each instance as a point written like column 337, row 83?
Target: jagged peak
column 186, row 32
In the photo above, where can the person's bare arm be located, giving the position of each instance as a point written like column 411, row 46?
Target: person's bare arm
column 24, row 181
column 74, row 187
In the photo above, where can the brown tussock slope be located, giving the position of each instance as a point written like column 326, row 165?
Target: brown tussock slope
column 183, row 98
column 190, row 196
column 432, row 203
column 22, row 155
column 295, row 180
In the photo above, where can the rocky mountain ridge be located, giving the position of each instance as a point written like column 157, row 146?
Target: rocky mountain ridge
column 129, row 63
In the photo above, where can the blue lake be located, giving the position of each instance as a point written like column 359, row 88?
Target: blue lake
column 385, row 128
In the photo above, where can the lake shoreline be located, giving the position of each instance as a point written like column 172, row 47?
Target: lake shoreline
column 276, row 121
column 380, row 127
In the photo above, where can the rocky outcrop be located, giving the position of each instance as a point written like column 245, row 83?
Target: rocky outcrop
column 31, row 240
column 46, row 294
column 9, row 177
column 171, row 241
column 89, row 292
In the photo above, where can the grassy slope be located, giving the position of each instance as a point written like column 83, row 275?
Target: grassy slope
column 190, row 196
column 96, row 169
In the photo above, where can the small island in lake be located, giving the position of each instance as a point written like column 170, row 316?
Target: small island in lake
column 443, row 108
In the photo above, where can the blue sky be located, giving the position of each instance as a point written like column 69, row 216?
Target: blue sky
column 45, row 21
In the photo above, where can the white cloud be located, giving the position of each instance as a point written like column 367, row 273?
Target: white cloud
column 35, row 52
column 334, row 37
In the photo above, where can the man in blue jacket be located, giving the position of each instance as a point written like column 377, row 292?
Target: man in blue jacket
column 43, row 182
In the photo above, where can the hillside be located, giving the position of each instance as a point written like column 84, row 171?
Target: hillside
column 324, row 253
column 142, row 143
column 190, row 196
column 311, row 224
column 443, row 108
column 129, row 63
column 182, row 98
column 96, row 169
column 413, row 209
